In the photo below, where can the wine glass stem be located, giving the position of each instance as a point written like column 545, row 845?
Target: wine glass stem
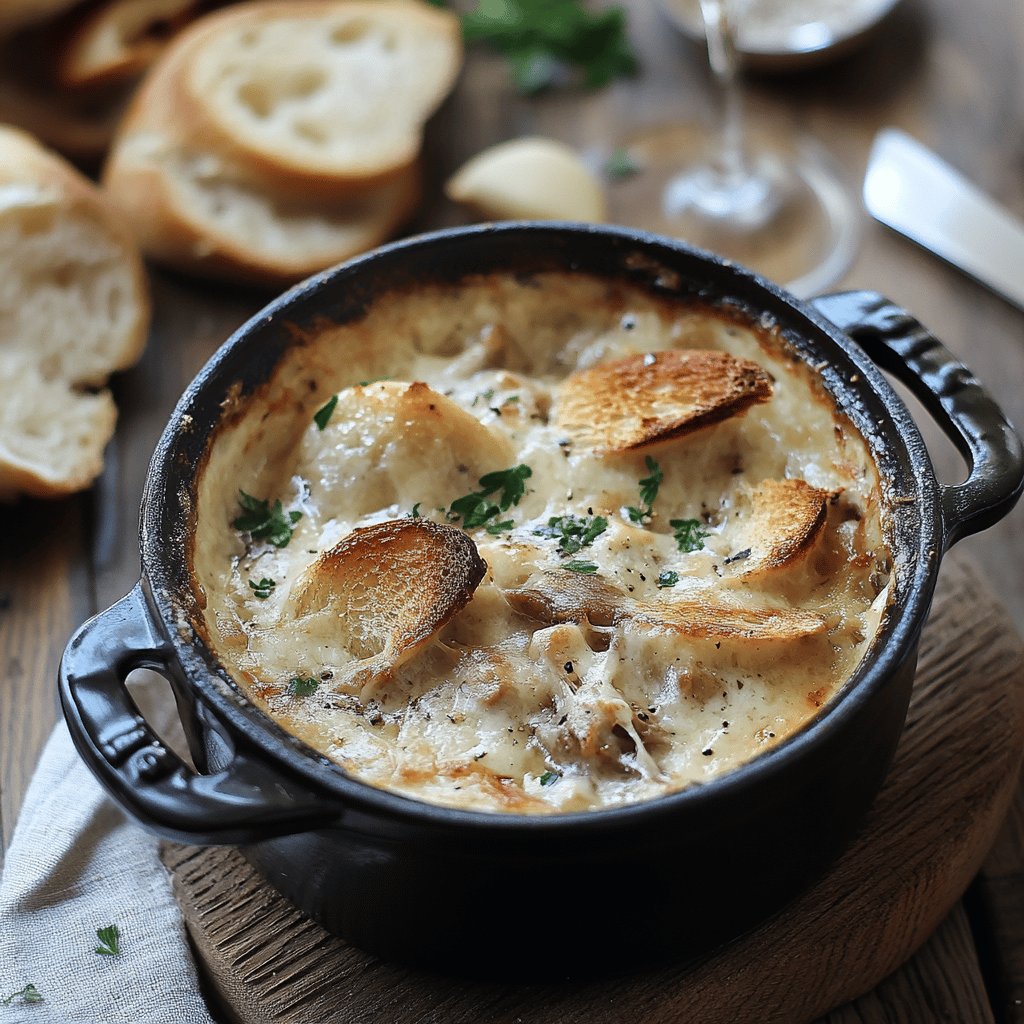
column 731, row 159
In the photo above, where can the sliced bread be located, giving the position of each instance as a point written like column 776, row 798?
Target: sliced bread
column 319, row 89
column 74, row 307
column 204, row 214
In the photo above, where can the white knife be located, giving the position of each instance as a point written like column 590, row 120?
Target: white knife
column 910, row 189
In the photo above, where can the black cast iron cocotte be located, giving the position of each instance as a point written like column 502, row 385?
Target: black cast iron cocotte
column 485, row 892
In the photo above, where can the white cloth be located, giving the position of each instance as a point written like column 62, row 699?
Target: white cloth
column 77, row 863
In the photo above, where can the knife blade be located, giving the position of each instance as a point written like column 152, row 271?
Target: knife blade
column 908, row 188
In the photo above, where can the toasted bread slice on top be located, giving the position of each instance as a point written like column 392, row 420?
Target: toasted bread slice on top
column 784, row 518
column 392, row 586
column 706, row 620
column 646, row 399
column 74, row 307
column 320, row 89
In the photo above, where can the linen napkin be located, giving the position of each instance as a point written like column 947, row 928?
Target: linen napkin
column 77, row 863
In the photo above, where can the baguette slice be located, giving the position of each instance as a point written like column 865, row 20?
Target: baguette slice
column 319, row 89
column 119, row 40
column 203, row 214
column 74, row 307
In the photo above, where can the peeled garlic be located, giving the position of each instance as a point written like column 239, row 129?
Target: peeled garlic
column 529, row 179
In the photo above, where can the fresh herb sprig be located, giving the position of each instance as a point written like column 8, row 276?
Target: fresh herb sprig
column 689, row 534
column 263, row 521
column 300, row 687
column 110, row 940
column 28, row 994
column 476, row 509
column 323, row 415
column 262, row 588
column 542, row 39
column 585, row 568
column 573, row 532
column 668, row 578
column 649, row 486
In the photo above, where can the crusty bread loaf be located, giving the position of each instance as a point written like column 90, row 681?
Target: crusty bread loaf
column 319, row 89
column 73, row 308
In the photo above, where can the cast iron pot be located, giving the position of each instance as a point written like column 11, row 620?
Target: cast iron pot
column 511, row 894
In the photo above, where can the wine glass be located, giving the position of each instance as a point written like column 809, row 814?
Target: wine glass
column 775, row 205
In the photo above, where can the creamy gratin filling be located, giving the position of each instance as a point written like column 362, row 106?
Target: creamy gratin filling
column 540, row 545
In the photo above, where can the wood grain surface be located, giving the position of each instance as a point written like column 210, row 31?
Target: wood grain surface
column 948, row 72
column 954, row 775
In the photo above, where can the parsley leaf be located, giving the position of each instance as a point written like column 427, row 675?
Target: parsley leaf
column 109, row 940
column 540, row 38
column 573, row 532
column 263, row 589
column 475, row 509
column 668, row 578
column 495, row 528
column 415, row 513
column 299, row 687
column 621, row 164
column 649, row 486
column 689, row 534
column 263, row 522
column 549, row 777
column 28, row 994
column 323, row 415
column 582, row 567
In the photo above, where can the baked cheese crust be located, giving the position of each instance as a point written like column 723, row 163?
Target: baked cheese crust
column 608, row 600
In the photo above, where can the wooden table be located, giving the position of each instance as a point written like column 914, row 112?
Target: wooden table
column 950, row 73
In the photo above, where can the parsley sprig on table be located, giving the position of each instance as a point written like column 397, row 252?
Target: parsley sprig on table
column 263, row 521
column 110, row 940
column 542, row 39
column 573, row 532
column 649, row 486
column 28, row 994
column 477, row 509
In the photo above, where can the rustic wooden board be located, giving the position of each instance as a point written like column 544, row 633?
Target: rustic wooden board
column 955, row 774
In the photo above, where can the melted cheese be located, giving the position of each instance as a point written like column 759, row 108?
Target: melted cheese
column 549, row 690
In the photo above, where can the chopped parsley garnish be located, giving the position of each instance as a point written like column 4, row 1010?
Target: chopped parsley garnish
column 621, row 164
column 496, row 528
column 573, row 532
column 299, row 687
column 323, row 415
column 109, row 940
column 668, row 578
column 28, row 994
column 265, row 522
column 372, row 380
column 262, row 589
column 549, row 777
column 689, row 534
column 649, row 486
column 584, row 567
column 475, row 509
column 415, row 513
column 540, row 38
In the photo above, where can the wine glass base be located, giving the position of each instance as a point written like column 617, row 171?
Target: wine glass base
column 794, row 222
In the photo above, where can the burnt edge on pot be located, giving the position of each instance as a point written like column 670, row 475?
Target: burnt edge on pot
column 856, row 390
